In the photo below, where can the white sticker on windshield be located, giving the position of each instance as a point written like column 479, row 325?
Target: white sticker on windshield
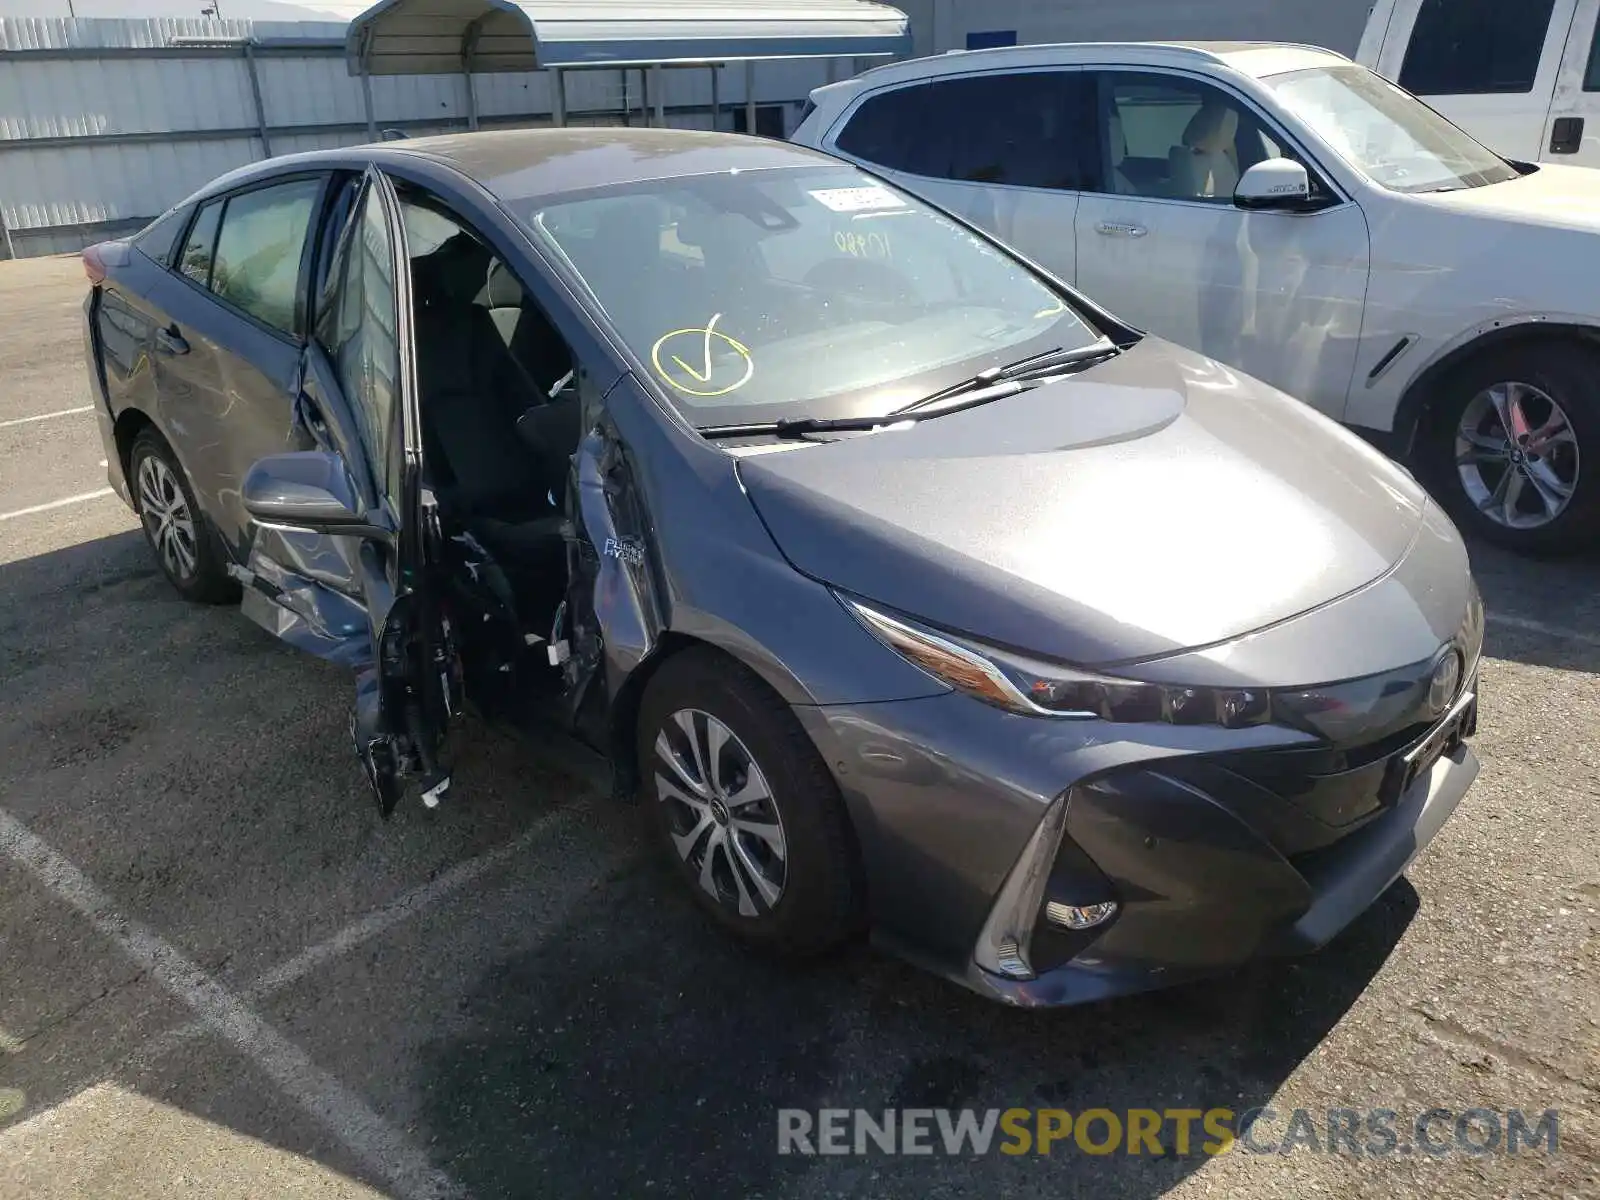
column 858, row 199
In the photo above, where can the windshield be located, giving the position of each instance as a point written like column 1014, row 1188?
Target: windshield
column 1386, row 133
column 754, row 296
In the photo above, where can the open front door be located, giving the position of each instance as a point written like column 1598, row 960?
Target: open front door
column 346, row 537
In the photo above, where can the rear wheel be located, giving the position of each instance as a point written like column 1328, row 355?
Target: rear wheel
column 1515, row 447
column 745, row 807
column 178, row 532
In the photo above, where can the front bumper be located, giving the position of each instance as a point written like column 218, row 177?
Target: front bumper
column 1202, row 891
column 1218, row 845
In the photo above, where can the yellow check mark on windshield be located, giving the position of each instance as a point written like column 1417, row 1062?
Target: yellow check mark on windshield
column 711, row 326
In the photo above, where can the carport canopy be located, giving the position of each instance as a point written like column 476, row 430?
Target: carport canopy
column 424, row 37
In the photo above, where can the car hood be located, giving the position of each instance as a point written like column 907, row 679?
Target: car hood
column 1156, row 503
column 1554, row 196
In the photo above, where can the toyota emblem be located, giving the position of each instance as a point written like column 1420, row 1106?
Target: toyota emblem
column 1446, row 678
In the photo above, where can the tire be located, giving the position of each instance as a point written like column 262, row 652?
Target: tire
column 820, row 898
column 179, row 534
column 1550, row 384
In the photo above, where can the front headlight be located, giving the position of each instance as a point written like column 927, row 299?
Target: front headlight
column 1037, row 689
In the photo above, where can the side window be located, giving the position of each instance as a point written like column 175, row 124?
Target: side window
column 1591, row 73
column 1022, row 129
column 201, row 244
column 899, row 130
column 358, row 330
column 1475, row 47
column 1172, row 138
column 157, row 239
column 261, row 247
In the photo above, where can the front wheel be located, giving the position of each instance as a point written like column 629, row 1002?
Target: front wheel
column 1515, row 447
column 745, row 808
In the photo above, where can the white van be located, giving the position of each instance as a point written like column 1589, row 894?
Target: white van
column 1524, row 78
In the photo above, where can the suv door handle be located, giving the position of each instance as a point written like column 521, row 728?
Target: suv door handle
column 1120, row 229
column 1566, row 135
column 170, row 341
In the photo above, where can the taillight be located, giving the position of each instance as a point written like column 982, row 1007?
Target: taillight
column 93, row 265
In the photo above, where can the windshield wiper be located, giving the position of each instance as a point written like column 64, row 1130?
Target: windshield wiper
column 992, row 383
column 799, row 427
column 992, row 377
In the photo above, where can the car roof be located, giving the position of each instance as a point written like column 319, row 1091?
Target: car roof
column 523, row 164
column 1250, row 58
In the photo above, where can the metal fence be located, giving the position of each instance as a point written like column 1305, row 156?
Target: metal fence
column 104, row 123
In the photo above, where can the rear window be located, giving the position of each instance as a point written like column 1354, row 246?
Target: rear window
column 1475, row 47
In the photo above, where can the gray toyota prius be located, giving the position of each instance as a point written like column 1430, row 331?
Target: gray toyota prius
column 906, row 590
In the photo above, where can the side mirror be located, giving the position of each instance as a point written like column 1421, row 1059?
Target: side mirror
column 1277, row 183
column 306, row 490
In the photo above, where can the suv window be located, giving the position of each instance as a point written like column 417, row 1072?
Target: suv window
column 1021, row 129
column 886, row 131
column 359, row 331
column 1474, row 47
column 1024, row 129
column 1591, row 73
column 1168, row 137
column 198, row 248
column 260, row 248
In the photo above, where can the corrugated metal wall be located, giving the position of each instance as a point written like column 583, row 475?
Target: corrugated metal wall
column 119, row 134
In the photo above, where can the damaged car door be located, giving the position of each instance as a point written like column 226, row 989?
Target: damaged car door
column 346, row 535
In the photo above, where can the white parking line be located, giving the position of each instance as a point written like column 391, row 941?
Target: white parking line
column 49, row 416
column 403, row 907
column 80, row 498
column 1528, row 625
column 379, row 1146
column 383, row 919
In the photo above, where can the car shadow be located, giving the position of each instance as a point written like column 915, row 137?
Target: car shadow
column 640, row 1052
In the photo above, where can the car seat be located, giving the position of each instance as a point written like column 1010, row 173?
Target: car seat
column 472, row 394
column 1207, row 163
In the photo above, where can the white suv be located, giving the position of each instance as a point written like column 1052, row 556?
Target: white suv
column 1288, row 212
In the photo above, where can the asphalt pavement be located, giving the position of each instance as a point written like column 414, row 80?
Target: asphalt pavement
column 222, row 975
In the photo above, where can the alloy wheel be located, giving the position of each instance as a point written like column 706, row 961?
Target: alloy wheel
column 722, row 816
column 1517, row 455
column 167, row 519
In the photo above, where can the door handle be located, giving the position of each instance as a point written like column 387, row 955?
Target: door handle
column 170, row 341
column 1566, row 135
column 1120, row 229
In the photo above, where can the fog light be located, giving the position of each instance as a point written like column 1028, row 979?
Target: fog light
column 1076, row 916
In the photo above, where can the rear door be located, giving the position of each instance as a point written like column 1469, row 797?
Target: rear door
column 1162, row 244
column 1488, row 65
column 370, row 602
column 227, row 354
column 1002, row 149
column 1572, row 134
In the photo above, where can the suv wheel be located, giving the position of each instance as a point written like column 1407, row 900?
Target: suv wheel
column 1515, row 447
